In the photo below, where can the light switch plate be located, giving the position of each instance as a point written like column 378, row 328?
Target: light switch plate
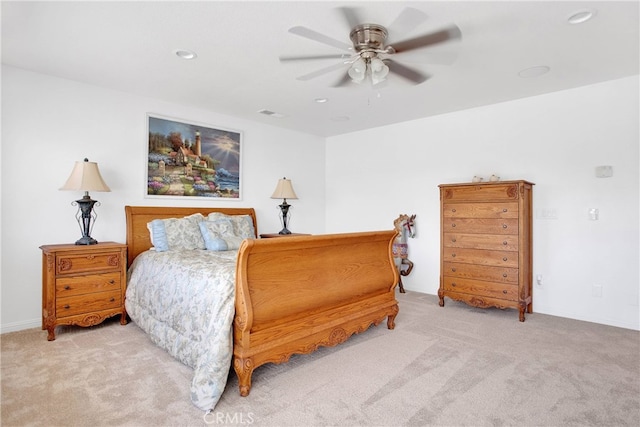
column 604, row 171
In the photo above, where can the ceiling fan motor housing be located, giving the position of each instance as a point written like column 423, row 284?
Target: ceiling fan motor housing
column 368, row 37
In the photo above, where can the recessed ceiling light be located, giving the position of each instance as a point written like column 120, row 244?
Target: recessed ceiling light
column 581, row 16
column 534, row 71
column 321, row 100
column 185, row 54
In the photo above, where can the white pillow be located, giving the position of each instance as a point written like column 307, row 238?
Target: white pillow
column 242, row 224
column 219, row 235
column 177, row 233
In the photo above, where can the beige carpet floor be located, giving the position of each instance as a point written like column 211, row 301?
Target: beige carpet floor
column 450, row 366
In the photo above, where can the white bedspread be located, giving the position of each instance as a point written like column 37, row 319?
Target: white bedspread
column 185, row 302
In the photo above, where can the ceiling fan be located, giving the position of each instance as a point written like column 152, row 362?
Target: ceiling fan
column 369, row 52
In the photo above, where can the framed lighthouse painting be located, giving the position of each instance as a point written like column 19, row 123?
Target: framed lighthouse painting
column 192, row 160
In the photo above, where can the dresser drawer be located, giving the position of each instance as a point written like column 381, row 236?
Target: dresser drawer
column 87, row 303
column 481, row 257
column 83, row 263
column 480, row 225
column 476, row 287
column 480, row 210
column 507, row 242
column 481, row 192
column 481, row 272
column 78, row 285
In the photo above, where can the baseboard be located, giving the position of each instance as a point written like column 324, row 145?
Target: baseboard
column 19, row 326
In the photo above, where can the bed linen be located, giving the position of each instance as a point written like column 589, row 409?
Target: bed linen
column 184, row 300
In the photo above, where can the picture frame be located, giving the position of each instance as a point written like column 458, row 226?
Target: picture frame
column 192, row 160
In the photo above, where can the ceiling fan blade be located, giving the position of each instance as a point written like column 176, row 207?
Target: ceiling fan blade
column 311, row 57
column 345, row 80
column 406, row 72
column 321, row 38
column 322, row 71
column 351, row 14
column 449, row 33
column 406, row 22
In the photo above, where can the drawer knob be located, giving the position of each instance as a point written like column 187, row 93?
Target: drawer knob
column 453, row 225
column 453, row 285
column 504, row 243
column 67, row 306
column 453, row 240
column 66, row 288
column 504, row 225
column 453, row 255
column 112, row 300
column 504, row 292
column 504, row 275
column 113, row 281
column 453, row 269
column 504, row 259
column 453, row 210
column 504, row 210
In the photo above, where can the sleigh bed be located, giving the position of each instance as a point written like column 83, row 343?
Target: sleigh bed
column 261, row 303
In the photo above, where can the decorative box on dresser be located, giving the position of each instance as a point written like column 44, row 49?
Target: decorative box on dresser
column 82, row 284
column 485, row 251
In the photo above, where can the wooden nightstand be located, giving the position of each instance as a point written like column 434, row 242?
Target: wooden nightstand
column 269, row 235
column 82, row 284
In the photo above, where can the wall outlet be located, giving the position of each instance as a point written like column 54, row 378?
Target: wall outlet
column 596, row 291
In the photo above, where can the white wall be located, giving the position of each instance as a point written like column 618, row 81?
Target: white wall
column 49, row 123
column 555, row 141
column 360, row 181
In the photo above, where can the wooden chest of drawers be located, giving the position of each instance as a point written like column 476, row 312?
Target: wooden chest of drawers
column 485, row 252
column 82, row 284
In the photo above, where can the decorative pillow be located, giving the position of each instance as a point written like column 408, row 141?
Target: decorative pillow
column 177, row 233
column 219, row 235
column 242, row 224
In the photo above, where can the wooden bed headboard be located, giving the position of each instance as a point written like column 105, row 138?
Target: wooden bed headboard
column 137, row 217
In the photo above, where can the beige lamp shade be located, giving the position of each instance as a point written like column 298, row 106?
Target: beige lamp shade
column 284, row 190
column 85, row 176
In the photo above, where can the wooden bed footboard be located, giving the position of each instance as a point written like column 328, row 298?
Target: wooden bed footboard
column 296, row 294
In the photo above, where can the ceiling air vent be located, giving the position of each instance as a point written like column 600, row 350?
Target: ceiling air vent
column 270, row 113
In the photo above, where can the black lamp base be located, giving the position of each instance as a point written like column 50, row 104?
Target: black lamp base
column 86, row 240
column 85, row 216
column 284, row 231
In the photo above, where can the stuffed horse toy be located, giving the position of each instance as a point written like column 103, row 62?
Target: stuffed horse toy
column 405, row 226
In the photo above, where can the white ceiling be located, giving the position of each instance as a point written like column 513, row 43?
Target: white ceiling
column 130, row 46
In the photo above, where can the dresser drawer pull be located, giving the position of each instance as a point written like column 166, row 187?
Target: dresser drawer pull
column 453, row 269
column 67, row 306
column 504, row 225
column 504, row 210
column 453, row 210
column 504, row 243
column 66, row 288
column 113, row 281
column 504, row 259
column 453, row 240
column 504, row 275
column 504, row 292
column 453, row 225
column 112, row 300
column 453, row 285
column 453, row 255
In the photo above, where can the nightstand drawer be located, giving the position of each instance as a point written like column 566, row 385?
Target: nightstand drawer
column 87, row 303
column 87, row 262
column 78, row 285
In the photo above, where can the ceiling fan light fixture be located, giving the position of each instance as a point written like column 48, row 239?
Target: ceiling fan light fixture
column 358, row 70
column 379, row 70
